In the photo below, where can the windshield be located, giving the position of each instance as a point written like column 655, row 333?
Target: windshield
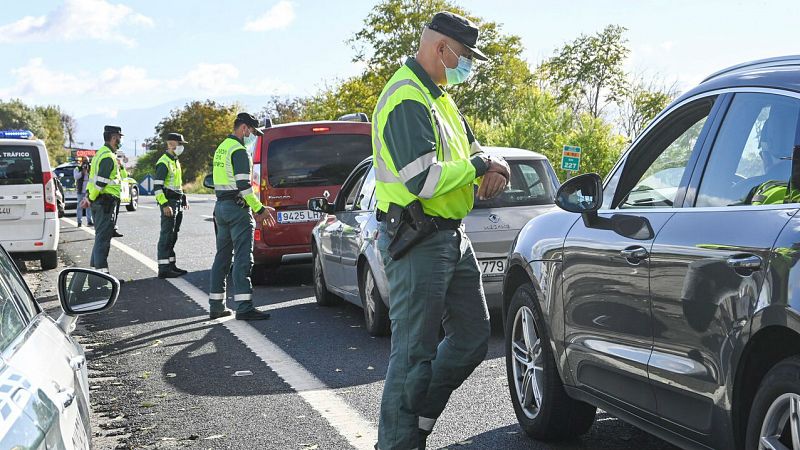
column 318, row 160
column 67, row 176
column 20, row 165
column 532, row 183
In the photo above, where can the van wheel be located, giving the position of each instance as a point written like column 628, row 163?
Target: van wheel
column 376, row 313
column 134, row 204
column 321, row 292
column 49, row 260
column 542, row 406
column 775, row 416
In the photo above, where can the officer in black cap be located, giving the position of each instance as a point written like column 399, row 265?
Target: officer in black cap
column 168, row 184
column 426, row 169
column 237, row 212
column 103, row 194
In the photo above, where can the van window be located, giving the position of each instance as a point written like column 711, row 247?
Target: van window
column 20, row 165
column 319, row 160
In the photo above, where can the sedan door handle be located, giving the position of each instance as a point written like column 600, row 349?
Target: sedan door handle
column 746, row 262
column 65, row 397
column 77, row 362
column 635, row 253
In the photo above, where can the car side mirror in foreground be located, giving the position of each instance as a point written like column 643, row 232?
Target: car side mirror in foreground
column 320, row 205
column 584, row 194
column 84, row 291
column 208, row 181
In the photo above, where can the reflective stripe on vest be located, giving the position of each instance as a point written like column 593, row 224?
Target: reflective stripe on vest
column 113, row 183
column 174, row 177
column 382, row 171
column 224, row 179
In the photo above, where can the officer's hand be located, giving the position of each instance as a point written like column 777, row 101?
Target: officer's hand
column 499, row 165
column 266, row 217
column 167, row 211
column 492, row 185
column 85, row 203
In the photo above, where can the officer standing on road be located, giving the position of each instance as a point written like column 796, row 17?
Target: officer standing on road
column 235, row 224
column 168, row 183
column 103, row 195
column 427, row 163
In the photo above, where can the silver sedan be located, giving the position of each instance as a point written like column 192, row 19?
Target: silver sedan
column 347, row 264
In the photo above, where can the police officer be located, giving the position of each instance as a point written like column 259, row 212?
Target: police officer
column 168, row 183
column 235, row 224
column 427, row 163
column 103, row 195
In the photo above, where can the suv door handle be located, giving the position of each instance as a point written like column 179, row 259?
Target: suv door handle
column 746, row 262
column 65, row 397
column 635, row 254
column 77, row 362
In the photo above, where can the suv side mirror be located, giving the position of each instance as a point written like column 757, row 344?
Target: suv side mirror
column 582, row 194
column 85, row 291
column 320, row 205
column 208, row 181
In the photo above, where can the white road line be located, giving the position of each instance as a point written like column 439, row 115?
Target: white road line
column 147, row 207
column 358, row 431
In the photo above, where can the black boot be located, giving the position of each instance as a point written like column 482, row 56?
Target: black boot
column 252, row 315
column 177, row 269
column 165, row 271
column 117, row 233
column 422, row 439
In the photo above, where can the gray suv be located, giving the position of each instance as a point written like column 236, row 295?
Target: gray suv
column 669, row 295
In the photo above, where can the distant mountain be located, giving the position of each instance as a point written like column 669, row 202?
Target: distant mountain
column 139, row 124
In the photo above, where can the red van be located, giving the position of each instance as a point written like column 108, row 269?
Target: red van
column 291, row 164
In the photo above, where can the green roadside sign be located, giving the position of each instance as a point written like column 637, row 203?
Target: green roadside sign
column 571, row 158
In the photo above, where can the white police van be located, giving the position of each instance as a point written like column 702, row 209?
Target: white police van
column 29, row 224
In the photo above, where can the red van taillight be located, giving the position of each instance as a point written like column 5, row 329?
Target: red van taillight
column 49, row 192
column 257, row 234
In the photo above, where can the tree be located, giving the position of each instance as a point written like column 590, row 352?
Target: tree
column 70, row 128
column 43, row 121
column 391, row 33
column 204, row 124
column 588, row 72
column 53, row 132
column 641, row 103
column 284, row 109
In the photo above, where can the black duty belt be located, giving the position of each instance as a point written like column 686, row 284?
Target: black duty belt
column 441, row 222
column 103, row 198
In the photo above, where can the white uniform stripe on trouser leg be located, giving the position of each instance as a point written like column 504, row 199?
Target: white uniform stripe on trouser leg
column 216, row 296
column 171, row 259
column 242, row 297
column 426, row 423
column 163, row 261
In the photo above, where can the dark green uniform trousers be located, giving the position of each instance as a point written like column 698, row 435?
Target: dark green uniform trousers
column 438, row 282
column 103, row 211
column 170, row 226
column 235, row 226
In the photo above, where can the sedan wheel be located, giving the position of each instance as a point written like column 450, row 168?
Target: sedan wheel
column 134, row 204
column 324, row 297
column 781, row 427
column 376, row 314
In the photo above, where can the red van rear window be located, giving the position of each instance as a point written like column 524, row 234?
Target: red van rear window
column 317, row 160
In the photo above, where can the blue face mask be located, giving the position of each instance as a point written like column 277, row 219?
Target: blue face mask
column 250, row 140
column 461, row 72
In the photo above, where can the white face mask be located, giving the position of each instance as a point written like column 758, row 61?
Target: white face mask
column 250, row 140
column 178, row 150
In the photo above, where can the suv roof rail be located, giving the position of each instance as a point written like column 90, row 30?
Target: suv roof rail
column 354, row 117
column 779, row 61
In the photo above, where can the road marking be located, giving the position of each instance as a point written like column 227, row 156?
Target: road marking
column 357, row 430
column 147, row 207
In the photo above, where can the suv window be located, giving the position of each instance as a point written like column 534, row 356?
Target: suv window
column 655, row 168
column 318, row 160
column 750, row 161
column 530, row 184
column 20, row 165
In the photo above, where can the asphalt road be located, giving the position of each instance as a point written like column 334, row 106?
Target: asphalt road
column 164, row 374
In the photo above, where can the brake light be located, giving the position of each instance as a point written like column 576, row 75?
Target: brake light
column 38, row 244
column 321, row 129
column 49, row 185
column 257, row 235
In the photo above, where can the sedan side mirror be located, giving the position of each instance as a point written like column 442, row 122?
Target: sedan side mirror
column 84, row 291
column 208, row 181
column 320, row 205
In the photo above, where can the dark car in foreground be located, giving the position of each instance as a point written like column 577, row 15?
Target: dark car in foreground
column 669, row 295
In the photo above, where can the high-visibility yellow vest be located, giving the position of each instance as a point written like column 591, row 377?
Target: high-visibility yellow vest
column 174, row 179
column 112, row 186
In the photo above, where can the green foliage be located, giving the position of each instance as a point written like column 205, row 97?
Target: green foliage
column 588, row 72
column 640, row 105
column 203, row 124
column 44, row 121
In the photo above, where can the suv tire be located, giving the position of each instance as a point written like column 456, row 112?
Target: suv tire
column 772, row 406
column 49, row 260
column 323, row 295
column 376, row 313
column 530, row 366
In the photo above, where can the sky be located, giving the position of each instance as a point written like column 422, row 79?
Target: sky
column 101, row 57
